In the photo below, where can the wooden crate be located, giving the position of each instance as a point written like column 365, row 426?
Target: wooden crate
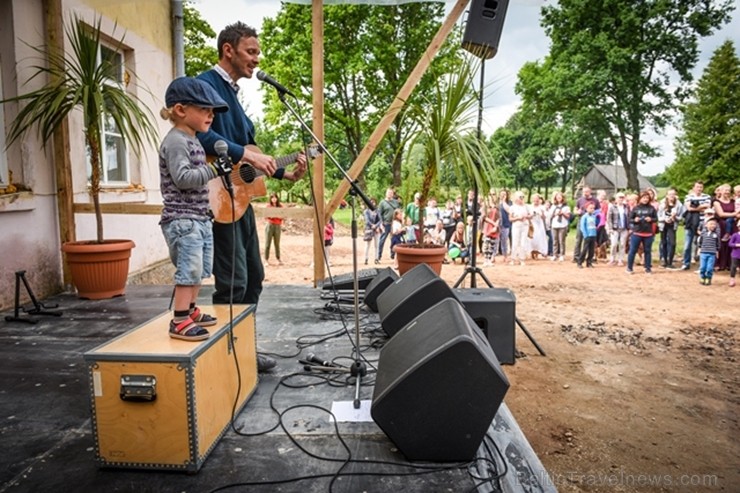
column 195, row 386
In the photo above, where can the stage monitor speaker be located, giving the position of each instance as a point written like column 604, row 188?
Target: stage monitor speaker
column 385, row 278
column 438, row 386
column 346, row 282
column 494, row 311
column 484, row 26
column 417, row 290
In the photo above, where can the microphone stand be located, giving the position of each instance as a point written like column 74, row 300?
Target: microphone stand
column 358, row 368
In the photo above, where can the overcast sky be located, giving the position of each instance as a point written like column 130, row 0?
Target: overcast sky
column 523, row 40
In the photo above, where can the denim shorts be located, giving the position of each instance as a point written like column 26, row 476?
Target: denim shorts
column 191, row 249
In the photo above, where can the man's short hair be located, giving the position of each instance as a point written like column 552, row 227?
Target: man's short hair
column 232, row 33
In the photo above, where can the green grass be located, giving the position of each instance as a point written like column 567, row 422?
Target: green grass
column 344, row 216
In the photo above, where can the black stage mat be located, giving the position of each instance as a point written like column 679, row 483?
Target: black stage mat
column 45, row 424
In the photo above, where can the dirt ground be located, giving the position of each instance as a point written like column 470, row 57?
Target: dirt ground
column 638, row 390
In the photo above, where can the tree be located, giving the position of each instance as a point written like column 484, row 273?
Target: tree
column 709, row 147
column 200, row 52
column 617, row 60
column 574, row 138
column 369, row 52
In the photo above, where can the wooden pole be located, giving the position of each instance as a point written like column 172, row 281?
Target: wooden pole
column 317, row 60
column 60, row 148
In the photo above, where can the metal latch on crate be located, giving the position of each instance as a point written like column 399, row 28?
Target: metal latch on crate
column 138, row 388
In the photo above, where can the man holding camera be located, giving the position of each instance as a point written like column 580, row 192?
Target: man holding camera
column 696, row 203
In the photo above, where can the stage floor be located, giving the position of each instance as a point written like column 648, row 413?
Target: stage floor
column 45, row 424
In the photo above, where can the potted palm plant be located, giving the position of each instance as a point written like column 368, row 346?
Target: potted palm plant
column 81, row 77
column 445, row 136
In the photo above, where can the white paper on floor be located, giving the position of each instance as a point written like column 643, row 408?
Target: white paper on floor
column 345, row 411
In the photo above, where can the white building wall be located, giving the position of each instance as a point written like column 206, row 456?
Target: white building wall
column 29, row 221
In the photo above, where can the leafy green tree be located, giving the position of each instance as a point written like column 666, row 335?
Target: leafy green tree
column 567, row 139
column 369, row 53
column 201, row 53
column 709, row 147
column 618, row 59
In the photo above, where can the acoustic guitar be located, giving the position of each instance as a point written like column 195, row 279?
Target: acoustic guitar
column 248, row 183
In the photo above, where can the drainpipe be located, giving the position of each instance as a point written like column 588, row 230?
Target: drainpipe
column 178, row 31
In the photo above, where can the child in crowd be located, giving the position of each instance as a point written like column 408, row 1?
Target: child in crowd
column 469, row 232
column 328, row 239
column 185, row 222
column 734, row 256
column 589, row 228
column 411, row 231
column 398, row 233
column 709, row 250
column 458, row 244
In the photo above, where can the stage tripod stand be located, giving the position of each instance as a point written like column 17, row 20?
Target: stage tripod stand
column 471, row 268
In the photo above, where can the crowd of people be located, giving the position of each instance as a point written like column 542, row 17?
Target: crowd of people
column 623, row 230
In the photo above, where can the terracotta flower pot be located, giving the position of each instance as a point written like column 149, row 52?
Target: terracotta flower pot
column 99, row 270
column 409, row 256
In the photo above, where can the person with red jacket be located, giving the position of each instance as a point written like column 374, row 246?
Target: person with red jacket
column 273, row 230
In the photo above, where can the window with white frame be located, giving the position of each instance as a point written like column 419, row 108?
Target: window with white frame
column 114, row 162
column 4, row 178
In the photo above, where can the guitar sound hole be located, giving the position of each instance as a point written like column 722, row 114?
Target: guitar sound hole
column 247, row 173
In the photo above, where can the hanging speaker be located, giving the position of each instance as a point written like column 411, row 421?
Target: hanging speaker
column 484, row 26
column 438, row 386
column 417, row 290
column 385, row 278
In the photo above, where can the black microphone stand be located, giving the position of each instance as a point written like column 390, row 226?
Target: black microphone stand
column 358, row 368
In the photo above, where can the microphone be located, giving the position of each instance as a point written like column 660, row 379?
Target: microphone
column 222, row 149
column 315, row 359
column 277, row 85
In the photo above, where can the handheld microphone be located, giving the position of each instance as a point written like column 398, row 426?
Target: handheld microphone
column 315, row 359
column 222, row 149
column 336, row 369
column 277, row 85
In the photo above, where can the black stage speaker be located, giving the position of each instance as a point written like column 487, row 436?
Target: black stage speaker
column 438, row 386
column 494, row 311
column 484, row 26
column 414, row 292
column 385, row 278
column 345, row 282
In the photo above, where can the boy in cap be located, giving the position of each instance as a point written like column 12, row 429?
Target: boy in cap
column 709, row 248
column 184, row 175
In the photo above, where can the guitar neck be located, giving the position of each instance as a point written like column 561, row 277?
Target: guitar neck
column 249, row 173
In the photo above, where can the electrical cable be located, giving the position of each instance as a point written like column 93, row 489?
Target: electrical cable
column 419, row 469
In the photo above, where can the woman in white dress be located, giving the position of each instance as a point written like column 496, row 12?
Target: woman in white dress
column 519, row 216
column 538, row 242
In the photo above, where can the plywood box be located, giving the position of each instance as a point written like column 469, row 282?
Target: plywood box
column 163, row 403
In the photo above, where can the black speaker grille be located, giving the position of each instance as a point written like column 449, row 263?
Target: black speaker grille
column 438, row 386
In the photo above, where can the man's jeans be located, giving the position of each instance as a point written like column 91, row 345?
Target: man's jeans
column 383, row 236
column 687, row 246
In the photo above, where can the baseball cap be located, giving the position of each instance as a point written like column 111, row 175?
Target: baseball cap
column 189, row 90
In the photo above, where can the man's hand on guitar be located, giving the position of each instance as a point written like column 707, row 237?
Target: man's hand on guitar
column 266, row 164
column 299, row 170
